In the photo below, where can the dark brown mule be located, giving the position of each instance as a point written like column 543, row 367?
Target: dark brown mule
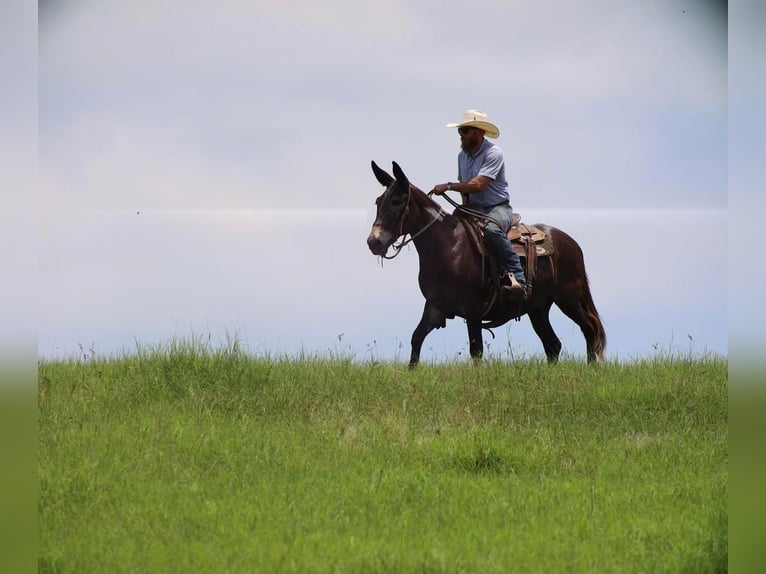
column 452, row 273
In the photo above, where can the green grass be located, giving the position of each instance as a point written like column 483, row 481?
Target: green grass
column 187, row 459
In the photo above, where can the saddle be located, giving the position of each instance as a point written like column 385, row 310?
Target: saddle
column 529, row 243
column 523, row 235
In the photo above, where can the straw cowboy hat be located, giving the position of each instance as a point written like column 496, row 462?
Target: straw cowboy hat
column 477, row 119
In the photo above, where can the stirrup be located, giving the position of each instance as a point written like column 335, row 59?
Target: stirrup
column 516, row 288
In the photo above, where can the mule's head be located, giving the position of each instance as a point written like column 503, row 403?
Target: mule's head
column 392, row 209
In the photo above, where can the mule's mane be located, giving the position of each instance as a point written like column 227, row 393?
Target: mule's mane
column 425, row 200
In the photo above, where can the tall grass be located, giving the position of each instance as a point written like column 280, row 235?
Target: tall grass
column 184, row 458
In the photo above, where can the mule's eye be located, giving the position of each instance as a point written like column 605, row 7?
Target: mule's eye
column 377, row 202
column 397, row 200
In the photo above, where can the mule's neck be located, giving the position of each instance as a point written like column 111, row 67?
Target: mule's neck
column 427, row 222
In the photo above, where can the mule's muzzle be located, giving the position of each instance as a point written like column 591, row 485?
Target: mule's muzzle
column 376, row 245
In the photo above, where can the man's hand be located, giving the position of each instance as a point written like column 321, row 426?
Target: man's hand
column 440, row 188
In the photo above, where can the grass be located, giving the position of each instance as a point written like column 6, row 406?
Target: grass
column 184, row 458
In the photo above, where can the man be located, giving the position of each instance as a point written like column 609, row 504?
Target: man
column 482, row 183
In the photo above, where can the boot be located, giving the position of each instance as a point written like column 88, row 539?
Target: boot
column 513, row 289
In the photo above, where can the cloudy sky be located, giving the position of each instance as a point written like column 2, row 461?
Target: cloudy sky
column 204, row 167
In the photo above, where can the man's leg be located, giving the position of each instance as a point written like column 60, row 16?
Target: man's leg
column 497, row 237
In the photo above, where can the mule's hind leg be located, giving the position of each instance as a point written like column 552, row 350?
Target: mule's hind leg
column 571, row 305
column 432, row 318
column 542, row 325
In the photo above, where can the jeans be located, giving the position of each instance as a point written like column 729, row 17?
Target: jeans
column 497, row 238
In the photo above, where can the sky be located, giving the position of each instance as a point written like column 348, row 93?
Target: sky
column 204, row 169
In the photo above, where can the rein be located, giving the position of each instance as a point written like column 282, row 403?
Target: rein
column 398, row 248
column 472, row 212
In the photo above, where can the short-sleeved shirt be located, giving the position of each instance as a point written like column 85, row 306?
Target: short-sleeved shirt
column 489, row 162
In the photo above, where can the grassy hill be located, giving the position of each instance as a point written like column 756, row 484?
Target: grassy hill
column 189, row 459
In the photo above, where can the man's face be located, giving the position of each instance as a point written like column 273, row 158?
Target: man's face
column 470, row 137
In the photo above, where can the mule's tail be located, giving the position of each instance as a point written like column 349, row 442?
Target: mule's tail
column 594, row 320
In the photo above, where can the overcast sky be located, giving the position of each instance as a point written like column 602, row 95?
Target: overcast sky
column 204, row 167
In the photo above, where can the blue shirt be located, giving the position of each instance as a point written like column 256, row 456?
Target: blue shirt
column 489, row 162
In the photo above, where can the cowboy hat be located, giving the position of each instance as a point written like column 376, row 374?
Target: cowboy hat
column 477, row 119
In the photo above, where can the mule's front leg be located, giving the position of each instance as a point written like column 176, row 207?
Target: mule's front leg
column 432, row 318
column 475, row 341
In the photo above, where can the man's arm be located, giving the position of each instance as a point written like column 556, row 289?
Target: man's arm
column 475, row 185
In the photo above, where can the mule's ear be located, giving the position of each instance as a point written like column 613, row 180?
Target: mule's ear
column 384, row 179
column 399, row 175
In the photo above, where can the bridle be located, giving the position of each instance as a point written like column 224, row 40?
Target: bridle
column 468, row 211
column 398, row 248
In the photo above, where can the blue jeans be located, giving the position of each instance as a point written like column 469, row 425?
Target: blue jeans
column 497, row 238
